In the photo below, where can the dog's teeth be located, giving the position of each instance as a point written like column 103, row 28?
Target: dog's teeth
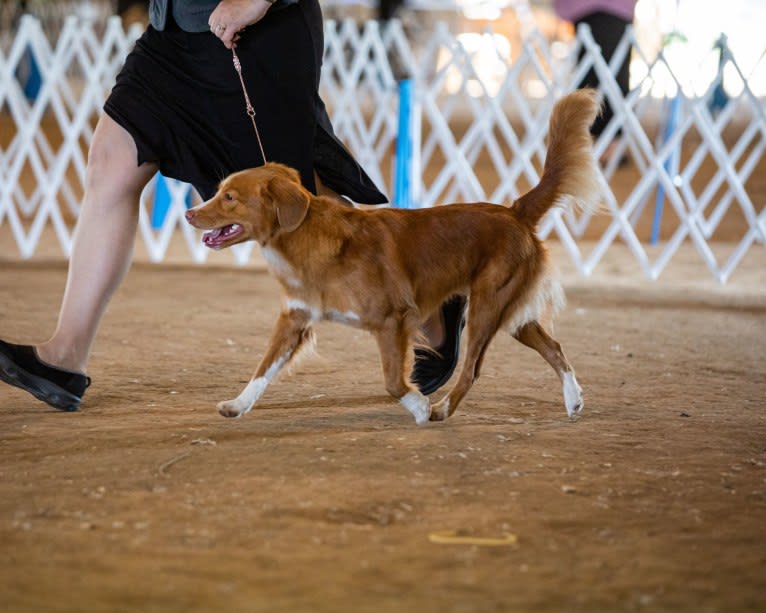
column 212, row 234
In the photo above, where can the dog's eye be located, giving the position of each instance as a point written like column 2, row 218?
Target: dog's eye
column 228, row 196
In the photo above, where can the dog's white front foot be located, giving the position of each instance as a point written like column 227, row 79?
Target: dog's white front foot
column 572, row 394
column 417, row 404
column 232, row 408
column 245, row 401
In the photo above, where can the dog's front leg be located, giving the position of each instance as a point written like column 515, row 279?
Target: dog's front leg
column 291, row 331
column 394, row 345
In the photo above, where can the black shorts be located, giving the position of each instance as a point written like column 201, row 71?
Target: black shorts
column 179, row 96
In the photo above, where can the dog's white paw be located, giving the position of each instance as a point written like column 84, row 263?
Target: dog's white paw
column 572, row 395
column 417, row 404
column 246, row 400
column 231, row 408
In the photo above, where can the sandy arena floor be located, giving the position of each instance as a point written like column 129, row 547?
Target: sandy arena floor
column 327, row 497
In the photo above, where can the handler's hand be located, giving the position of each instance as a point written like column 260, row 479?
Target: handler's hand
column 232, row 16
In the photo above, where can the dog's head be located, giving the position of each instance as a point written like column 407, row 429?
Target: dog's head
column 254, row 204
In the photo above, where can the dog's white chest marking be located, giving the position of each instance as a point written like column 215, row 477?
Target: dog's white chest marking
column 316, row 314
column 281, row 268
column 293, row 304
column 348, row 318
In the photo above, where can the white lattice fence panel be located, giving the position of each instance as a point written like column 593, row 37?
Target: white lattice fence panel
column 698, row 134
column 361, row 91
column 75, row 76
column 483, row 135
column 513, row 152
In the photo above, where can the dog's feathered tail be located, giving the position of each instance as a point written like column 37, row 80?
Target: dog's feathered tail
column 570, row 171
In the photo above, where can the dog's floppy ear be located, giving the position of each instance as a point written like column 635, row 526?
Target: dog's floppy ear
column 291, row 201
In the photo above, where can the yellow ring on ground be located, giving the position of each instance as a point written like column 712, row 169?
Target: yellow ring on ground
column 453, row 537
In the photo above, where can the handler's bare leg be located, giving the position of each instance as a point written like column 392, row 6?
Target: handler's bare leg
column 103, row 243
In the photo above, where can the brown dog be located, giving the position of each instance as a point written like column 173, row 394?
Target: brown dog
column 387, row 270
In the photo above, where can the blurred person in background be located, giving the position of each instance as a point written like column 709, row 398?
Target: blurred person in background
column 133, row 11
column 177, row 106
column 608, row 20
column 388, row 9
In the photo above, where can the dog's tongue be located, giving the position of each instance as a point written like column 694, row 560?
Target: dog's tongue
column 215, row 237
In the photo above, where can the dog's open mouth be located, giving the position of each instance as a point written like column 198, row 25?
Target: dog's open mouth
column 218, row 236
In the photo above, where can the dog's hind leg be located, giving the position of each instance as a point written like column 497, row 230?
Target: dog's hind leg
column 394, row 345
column 484, row 320
column 533, row 336
column 290, row 333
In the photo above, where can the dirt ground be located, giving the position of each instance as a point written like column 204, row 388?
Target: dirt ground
column 327, row 497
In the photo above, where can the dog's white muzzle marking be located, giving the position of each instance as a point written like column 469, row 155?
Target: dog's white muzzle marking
column 252, row 392
column 417, row 404
column 572, row 394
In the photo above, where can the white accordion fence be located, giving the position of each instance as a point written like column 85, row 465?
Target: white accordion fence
column 470, row 137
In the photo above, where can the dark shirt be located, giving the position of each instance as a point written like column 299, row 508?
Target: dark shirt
column 189, row 15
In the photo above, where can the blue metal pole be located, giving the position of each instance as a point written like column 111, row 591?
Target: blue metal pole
column 670, row 165
column 402, row 168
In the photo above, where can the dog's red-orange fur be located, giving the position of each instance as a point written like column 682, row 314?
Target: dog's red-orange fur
column 387, row 270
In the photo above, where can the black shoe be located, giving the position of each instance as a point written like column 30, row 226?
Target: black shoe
column 434, row 367
column 20, row 366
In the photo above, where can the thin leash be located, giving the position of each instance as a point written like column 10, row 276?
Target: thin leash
column 248, row 104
